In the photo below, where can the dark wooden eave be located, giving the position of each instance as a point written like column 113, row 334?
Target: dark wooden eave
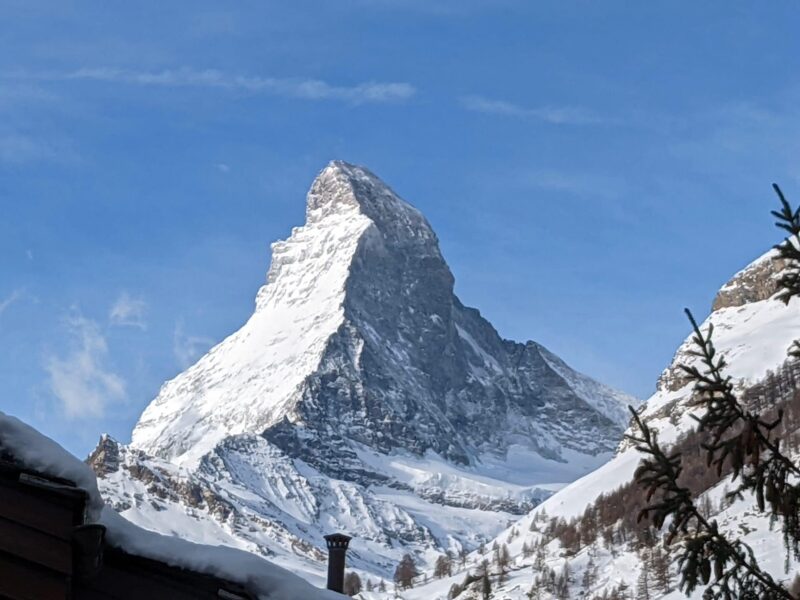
column 40, row 559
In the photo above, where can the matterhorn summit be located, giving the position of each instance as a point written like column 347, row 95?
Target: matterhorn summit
column 363, row 396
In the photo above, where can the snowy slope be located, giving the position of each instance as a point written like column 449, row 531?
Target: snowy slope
column 753, row 330
column 268, row 581
column 612, row 566
column 249, row 381
column 360, row 396
column 753, row 337
column 357, row 327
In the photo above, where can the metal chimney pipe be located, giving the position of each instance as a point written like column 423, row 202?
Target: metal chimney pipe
column 337, row 550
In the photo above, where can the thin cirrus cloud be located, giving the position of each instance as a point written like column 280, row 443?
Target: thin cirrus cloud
column 128, row 311
column 80, row 380
column 18, row 149
column 556, row 115
column 187, row 348
column 576, row 183
column 307, row 89
column 9, row 300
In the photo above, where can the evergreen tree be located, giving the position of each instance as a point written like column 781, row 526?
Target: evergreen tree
column 483, row 568
column 660, row 569
column 539, row 560
column 794, row 587
column 443, row 567
column 623, row 591
column 643, row 584
column 535, row 593
column 405, row 572
column 549, row 581
column 352, row 584
column 455, row 591
column 590, row 574
column 608, row 538
column 486, row 586
column 704, row 506
column 562, row 583
column 503, row 558
column 740, row 439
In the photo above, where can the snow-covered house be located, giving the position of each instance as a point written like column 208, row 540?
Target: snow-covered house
column 58, row 540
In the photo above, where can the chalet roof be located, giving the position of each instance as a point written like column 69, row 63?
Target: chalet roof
column 39, row 454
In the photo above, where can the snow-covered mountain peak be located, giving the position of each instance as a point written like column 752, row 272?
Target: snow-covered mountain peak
column 742, row 306
column 358, row 338
column 363, row 396
column 342, row 187
column 752, row 329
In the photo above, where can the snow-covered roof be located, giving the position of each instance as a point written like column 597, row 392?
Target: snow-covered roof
column 268, row 581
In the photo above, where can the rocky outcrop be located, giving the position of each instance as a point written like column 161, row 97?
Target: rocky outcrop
column 755, row 283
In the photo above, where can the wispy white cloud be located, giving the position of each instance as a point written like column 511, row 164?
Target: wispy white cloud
column 557, row 115
column 576, row 183
column 19, row 149
column 16, row 96
column 128, row 311
column 308, row 89
column 222, row 168
column 608, row 192
column 80, row 380
column 23, row 139
column 188, row 348
column 9, row 300
column 765, row 138
column 442, row 8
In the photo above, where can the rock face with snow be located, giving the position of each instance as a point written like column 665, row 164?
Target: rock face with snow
column 361, row 395
column 30, row 449
column 753, row 330
column 358, row 337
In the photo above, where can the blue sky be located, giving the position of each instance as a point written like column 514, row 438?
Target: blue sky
column 590, row 168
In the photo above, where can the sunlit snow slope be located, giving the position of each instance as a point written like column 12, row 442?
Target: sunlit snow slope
column 361, row 395
column 753, row 331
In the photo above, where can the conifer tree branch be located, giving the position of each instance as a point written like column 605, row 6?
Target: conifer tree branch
column 723, row 411
column 739, row 438
column 735, row 568
column 789, row 249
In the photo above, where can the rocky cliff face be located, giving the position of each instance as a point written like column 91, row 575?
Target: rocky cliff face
column 742, row 314
column 753, row 331
column 758, row 281
column 362, row 395
column 358, row 337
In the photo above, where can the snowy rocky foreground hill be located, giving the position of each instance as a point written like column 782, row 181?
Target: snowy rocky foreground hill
column 753, row 330
column 360, row 396
column 30, row 450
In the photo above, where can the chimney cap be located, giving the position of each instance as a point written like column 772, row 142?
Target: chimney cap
column 337, row 540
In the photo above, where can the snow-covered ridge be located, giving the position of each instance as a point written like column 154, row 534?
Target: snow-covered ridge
column 753, row 331
column 753, row 337
column 362, row 396
column 357, row 324
column 250, row 380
